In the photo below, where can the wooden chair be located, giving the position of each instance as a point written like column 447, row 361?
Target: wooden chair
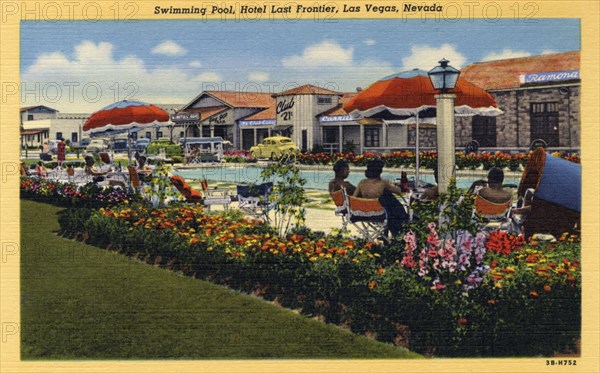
column 134, row 179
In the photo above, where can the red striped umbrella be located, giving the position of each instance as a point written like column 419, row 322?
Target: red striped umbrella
column 124, row 116
column 411, row 92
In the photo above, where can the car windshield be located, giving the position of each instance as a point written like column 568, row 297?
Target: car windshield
column 285, row 141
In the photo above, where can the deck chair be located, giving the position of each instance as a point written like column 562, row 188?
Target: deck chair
column 495, row 215
column 341, row 208
column 255, row 200
column 368, row 216
column 215, row 196
column 190, row 195
column 134, row 180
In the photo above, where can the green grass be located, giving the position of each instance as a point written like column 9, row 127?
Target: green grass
column 82, row 302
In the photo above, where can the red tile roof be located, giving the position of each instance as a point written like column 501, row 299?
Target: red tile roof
column 268, row 113
column 502, row 74
column 206, row 112
column 243, row 99
column 307, row 89
column 338, row 110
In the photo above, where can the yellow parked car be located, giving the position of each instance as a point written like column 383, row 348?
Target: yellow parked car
column 274, row 148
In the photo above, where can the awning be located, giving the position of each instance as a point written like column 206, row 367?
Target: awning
column 33, row 132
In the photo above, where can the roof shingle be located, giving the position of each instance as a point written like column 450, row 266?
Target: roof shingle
column 243, row 99
column 502, row 74
column 307, row 89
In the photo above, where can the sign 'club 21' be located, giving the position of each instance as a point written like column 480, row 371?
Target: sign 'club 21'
column 551, row 76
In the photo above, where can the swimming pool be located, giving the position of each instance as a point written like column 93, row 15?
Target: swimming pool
column 315, row 179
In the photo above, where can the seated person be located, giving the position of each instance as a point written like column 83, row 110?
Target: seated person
column 23, row 169
column 342, row 170
column 41, row 170
column 374, row 187
column 431, row 193
column 494, row 191
column 143, row 170
column 95, row 172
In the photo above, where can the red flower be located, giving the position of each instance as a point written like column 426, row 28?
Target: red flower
column 534, row 294
column 463, row 321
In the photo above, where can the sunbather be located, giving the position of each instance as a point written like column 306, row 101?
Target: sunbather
column 494, row 192
column 90, row 169
column 375, row 187
column 143, row 170
column 342, row 170
column 41, row 170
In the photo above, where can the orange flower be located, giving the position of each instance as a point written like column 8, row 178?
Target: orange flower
column 491, row 301
column 372, row 284
column 463, row 321
column 547, row 288
column 380, row 271
column 534, row 294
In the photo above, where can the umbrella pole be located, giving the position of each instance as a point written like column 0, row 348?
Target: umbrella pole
column 129, row 147
column 417, row 152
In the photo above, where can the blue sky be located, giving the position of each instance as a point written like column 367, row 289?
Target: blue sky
column 172, row 61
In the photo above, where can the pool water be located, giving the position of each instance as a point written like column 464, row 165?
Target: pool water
column 315, row 179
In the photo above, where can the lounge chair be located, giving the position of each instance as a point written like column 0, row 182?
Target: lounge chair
column 194, row 196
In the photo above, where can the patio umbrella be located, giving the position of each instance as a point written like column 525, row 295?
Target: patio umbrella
column 411, row 94
column 125, row 117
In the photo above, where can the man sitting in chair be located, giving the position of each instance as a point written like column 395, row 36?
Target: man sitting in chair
column 342, row 170
column 374, row 187
column 494, row 192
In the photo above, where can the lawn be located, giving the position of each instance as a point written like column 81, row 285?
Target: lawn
column 82, row 302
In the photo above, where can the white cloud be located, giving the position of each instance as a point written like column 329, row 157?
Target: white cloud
column 196, row 64
column 324, row 54
column 92, row 78
column 169, row 48
column 505, row 54
column 426, row 57
column 370, row 42
column 258, row 76
column 549, row 51
column 209, row 76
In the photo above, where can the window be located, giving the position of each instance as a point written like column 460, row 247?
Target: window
column 181, row 134
column 323, row 100
column 59, row 135
column 134, row 136
column 148, row 135
column 484, row 131
column 159, row 134
column 74, row 137
column 544, row 122
column 372, row 137
column 330, row 135
column 29, row 116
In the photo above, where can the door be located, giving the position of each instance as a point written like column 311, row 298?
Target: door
column 544, row 123
column 304, row 140
column 484, row 131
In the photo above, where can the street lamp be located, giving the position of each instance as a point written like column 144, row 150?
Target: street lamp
column 444, row 78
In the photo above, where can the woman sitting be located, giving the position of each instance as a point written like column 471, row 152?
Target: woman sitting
column 374, row 187
column 40, row 170
column 144, row 171
column 92, row 170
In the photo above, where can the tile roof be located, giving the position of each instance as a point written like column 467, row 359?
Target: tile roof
column 206, row 112
column 268, row 113
column 338, row 110
column 307, row 89
column 243, row 99
column 502, row 74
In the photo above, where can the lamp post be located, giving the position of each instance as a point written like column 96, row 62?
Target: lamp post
column 443, row 78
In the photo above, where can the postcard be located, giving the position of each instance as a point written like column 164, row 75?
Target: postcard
column 299, row 186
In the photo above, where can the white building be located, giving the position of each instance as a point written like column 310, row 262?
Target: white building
column 40, row 123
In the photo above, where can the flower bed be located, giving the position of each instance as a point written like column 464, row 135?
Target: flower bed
column 428, row 159
column 69, row 194
column 471, row 295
